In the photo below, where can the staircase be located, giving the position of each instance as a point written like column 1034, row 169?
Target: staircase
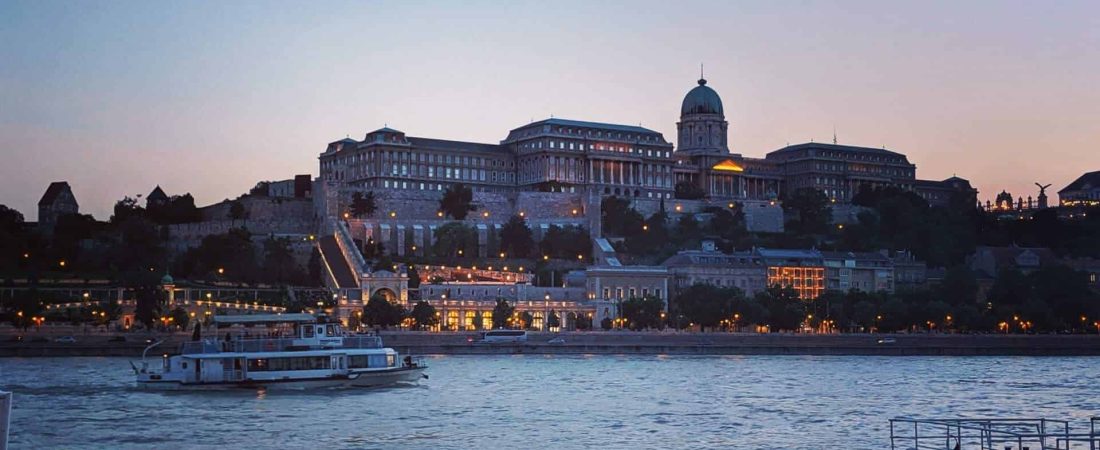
column 338, row 268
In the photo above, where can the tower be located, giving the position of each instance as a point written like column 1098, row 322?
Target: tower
column 702, row 127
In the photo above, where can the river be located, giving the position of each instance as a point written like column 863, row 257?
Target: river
column 537, row 402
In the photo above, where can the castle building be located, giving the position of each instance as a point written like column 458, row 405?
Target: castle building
column 57, row 201
column 561, row 155
column 1084, row 191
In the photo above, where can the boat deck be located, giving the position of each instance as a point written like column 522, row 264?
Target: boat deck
column 993, row 434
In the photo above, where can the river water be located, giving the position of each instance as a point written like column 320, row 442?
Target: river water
column 536, row 402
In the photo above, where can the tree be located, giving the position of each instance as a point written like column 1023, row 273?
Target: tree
column 642, row 313
column 379, row 312
column 785, row 310
column 126, row 209
column 362, row 205
column 455, row 239
column 812, row 208
column 959, row 287
column 24, row 308
column 456, row 201
column 237, row 211
column 180, row 318
column 515, row 238
column 147, row 306
column 424, row 315
column 279, row 266
column 707, row 305
column 605, row 324
column 526, row 319
column 687, row 190
column 566, row 242
column 553, row 321
column 687, row 229
column 619, row 218
column 501, row 313
column 112, row 311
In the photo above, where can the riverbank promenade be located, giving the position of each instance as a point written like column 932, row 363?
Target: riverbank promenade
column 624, row 342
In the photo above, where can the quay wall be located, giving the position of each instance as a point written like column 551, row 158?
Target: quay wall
column 628, row 343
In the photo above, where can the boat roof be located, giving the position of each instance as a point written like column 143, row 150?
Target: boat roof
column 265, row 318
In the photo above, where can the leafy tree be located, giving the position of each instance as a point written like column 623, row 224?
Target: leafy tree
column 553, row 321
column 642, row 313
column 126, row 209
column 279, row 265
column 566, row 243
column 379, row 312
column 232, row 252
column 363, row 206
column 414, row 276
column 423, row 314
column 515, row 238
column 147, row 308
column 457, row 201
column 1065, row 292
column 237, row 212
column 812, row 208
column 314, row 268
column 707, row 305
column 619, row 218
column 688, row 229
column 24, row 307
column 605, row 324
column 582, row 322
column 785, row 310
column 526, row 319
column 177, row 209
column 479, row 320
column 727, row 224
column 501, row 313
column 180, row 318
column 687, row 190
column 113, row 310
column 140, row 246
column 959, row 287
column 453, row 238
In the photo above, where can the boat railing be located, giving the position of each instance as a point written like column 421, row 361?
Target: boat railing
column 991, row 434
column 269, row 345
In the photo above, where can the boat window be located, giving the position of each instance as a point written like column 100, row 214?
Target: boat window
column 320, row 330
column 391, row 360
column 307, row 331
column 331, row 330
column 183, row 364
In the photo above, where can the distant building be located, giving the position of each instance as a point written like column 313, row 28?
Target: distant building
column 300, row 186
column 156, row 198
column 860, row 271
column 742, row 270
column 988, row 261
column 801, row 270
column 909, row 272
column 1084, row 191
column 562, row 155
column 56, row 202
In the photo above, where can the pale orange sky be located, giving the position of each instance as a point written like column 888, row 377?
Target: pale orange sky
column 208, row 97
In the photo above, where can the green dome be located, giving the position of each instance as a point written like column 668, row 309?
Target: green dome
column 167, row 279
column 701, row 100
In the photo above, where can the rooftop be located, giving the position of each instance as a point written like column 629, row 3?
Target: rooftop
column 593, row 125
column 1090, row 180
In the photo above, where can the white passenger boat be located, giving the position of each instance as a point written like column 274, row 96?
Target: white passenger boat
column 307, row 354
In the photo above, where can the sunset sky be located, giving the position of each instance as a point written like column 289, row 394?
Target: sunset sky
column 211, row 97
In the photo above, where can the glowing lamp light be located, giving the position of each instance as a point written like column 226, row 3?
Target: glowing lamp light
column 393, row 213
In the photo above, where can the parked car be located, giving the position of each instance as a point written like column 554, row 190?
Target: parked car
column 556, row 341
column 884, row 341
column 117, row 339
column 66, row 340
column 15, row 339
column 39, row 339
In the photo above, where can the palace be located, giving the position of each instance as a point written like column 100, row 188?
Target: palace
column 560, row 155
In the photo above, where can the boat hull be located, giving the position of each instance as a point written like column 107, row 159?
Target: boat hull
column 378, row 378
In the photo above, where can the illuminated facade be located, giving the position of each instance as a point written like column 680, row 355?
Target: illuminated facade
column 1084, row 191
column 801, row 270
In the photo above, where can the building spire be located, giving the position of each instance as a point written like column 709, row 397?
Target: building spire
column 702, row 81
column 834, row 134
